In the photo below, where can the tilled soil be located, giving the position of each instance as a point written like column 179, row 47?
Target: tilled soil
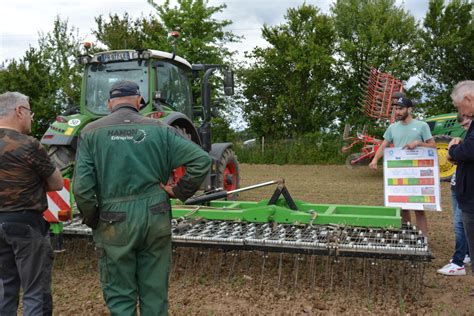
column 236, row 283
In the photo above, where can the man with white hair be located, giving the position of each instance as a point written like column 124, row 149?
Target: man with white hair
column 26, row 173
column 463, row 153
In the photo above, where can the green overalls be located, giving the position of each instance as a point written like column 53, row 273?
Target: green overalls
column 121, row 161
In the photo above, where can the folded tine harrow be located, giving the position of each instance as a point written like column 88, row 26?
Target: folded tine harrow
column 378, row 92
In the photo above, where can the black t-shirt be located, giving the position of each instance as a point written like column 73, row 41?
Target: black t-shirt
column 24, row 167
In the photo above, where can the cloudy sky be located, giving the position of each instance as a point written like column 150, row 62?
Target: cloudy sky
column 22, row 20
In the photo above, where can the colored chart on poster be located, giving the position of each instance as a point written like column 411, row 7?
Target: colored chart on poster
column 411, row 179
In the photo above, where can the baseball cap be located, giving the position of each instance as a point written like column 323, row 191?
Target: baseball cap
column 402, row 101
column 124, row 88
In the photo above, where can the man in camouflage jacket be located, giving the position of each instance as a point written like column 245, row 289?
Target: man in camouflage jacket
column 26, row 173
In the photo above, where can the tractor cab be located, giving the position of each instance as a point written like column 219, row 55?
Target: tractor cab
column 163, row 81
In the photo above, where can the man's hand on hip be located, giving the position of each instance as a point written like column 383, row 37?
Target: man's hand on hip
column 168, row 189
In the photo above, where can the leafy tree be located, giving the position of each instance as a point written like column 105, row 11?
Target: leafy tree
column 47, row 75
column 371, row 33
column 59, row 49
column 122, row 32
column 30, row 75
column 446, row 52
column 203, row 38
column 288, row 86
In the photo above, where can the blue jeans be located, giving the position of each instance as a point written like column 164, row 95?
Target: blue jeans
column 26, row 259
column 461, row 247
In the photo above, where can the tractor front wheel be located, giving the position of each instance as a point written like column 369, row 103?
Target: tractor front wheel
column 351, row 164
column 228, row 172
column 63, row 156
column 446, row 168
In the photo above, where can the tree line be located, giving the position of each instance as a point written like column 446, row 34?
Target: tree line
column 306, row 81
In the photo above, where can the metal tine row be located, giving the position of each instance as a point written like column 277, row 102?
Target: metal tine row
column 374, row 279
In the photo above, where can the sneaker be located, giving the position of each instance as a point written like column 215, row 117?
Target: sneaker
column 467, row 259
column 452, row 269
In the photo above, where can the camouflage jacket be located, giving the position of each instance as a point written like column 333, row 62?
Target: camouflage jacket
column 24, row 167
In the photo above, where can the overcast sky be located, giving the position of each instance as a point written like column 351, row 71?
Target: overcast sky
column 22, row 20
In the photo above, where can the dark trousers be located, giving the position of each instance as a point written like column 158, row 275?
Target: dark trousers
column 468, row 221
column 26, row 259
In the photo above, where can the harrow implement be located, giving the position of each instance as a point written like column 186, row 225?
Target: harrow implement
column 284, row 225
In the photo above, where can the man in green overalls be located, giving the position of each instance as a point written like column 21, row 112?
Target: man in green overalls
column 123, row 162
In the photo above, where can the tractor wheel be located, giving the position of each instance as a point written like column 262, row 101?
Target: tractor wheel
column 361, row 163
column 228, row 172
column 63, row 156
column 446, row 168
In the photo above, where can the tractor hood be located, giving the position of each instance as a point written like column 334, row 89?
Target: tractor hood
column 65, row 130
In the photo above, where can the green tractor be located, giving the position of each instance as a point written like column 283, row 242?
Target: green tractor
column 444, row 127
column 164, row 81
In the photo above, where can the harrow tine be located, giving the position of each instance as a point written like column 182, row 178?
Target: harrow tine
column 219, row 265
column 174, row 258
column 280, row 263
column 235, row 256
column 313, row 271
column 264, row 256
column 296, row 268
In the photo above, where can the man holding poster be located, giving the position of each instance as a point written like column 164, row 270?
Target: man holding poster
column 406, row 133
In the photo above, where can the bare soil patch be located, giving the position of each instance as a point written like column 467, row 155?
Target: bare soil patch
column 213, row 283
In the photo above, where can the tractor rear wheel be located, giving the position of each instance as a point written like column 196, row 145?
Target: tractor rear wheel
column 63, row 156
column 361, row 163
column 228, row 172
column 446, row 168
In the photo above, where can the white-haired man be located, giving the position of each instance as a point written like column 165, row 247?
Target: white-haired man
column 463, row 153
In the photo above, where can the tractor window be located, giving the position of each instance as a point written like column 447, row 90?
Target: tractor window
column 174, row 88
column 101, row 77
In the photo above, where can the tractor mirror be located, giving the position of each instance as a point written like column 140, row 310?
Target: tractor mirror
column 197, row 111
column 228, row 82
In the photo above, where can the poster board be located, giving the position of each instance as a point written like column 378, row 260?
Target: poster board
column 411, row 179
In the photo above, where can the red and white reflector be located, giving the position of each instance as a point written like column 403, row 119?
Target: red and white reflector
column 59, row 207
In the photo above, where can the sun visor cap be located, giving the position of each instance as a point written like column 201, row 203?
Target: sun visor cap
column 124, row 88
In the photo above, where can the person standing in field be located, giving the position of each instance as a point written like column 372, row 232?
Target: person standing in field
column 124, row 161
column 26, row 174
column 461, row 248
column 462, row 152
column 406, row 133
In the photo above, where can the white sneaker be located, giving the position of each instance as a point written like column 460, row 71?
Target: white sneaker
column 452, row 269
column 467, row 259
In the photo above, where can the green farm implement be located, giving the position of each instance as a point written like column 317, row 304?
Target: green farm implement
column 282, row 224
column 281, row 243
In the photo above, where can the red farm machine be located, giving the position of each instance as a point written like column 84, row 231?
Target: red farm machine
column 376, row 103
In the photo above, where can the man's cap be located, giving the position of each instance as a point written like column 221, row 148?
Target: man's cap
column 124, row 88
column 402, row 101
